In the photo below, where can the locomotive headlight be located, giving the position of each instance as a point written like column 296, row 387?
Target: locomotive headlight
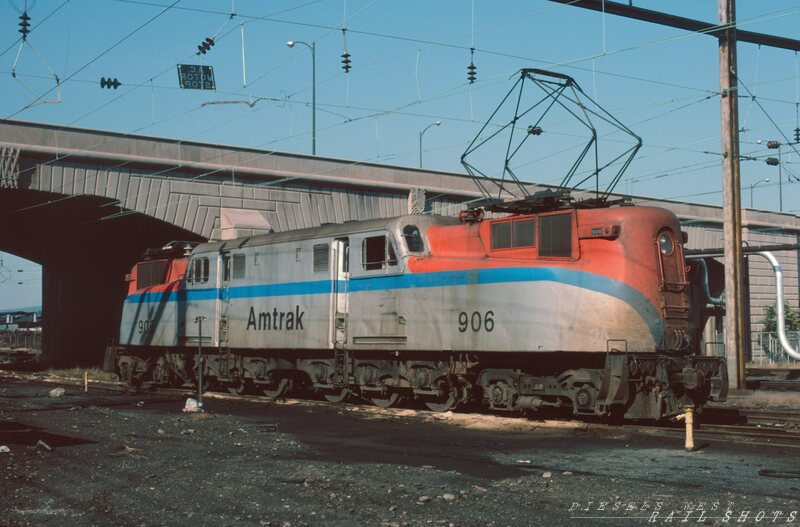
column 666, row 244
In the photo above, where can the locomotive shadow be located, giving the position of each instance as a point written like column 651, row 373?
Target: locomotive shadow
column 349, row 440
column 21, row 434
column 478, row 467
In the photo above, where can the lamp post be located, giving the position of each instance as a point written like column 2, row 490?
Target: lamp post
column 754, row 185
column 437, row 123
column 313, row 48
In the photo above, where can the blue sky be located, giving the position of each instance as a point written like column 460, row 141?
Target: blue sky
column 409, row 69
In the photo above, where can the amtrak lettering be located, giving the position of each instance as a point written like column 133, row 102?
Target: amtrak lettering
column 277, row 320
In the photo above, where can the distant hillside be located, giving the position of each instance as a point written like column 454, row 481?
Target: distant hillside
column 31, row 309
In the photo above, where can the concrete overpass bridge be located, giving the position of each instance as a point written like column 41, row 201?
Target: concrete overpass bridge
column 86, row 204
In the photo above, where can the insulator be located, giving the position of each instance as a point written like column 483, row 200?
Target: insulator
column 346, row 62
column 205, row 46
column 24, row 25
column 471, row 73
column 797, row 135
column 108, row 83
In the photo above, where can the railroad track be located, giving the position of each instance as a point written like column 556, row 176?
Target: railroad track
column 738, row 424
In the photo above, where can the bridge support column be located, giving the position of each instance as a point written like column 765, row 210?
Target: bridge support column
column 81, row 309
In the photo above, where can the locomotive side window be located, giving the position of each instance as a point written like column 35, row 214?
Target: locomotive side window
column 413, row 239
column 239, row 266
column 321, row 255
column 376, row 253
column 501, row 235
column 523, row 234
column 555, row 235
column 151, row 273
column 517, row 233
column 199, row 272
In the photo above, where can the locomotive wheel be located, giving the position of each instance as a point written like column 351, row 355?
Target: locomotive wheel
column 238, row 388
column 388, row 400
column 207, row 383
column 124, row 372
column 441, row 403
column 277, row 390
column 337, row 395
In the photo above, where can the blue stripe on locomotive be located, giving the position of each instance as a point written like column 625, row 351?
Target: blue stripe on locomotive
column 581, row 279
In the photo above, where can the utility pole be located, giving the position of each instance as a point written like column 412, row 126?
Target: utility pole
column 731, row 194
column 728, row 36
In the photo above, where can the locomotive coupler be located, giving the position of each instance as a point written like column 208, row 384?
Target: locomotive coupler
column 689, row 378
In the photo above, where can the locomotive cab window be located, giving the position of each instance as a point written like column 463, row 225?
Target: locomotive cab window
column 413, row 239
column 198, row 273
column 555, row 235
column 377, row 253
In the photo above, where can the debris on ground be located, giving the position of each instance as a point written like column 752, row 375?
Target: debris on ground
column 57, row 392
column 191, row 406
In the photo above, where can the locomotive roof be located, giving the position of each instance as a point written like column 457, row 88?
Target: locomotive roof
column 329, row 230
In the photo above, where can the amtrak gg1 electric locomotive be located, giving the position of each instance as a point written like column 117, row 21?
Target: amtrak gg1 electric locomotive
column 585, row 309
column 583, row 305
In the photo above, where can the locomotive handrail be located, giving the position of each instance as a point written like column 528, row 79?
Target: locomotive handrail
column 787, row 347
column 694, row 254
column 713, row 300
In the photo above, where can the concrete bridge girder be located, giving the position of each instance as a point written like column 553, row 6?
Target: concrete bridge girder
column 86, row 204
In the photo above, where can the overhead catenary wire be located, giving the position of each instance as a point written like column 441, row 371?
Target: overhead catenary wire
column 571, row 64
column 349, row 120
column 767, row 114
column 397, row 112
column 103, row 53
column 139, row 2
column 33, row 28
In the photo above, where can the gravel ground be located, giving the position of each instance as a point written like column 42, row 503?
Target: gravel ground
column 136, row 460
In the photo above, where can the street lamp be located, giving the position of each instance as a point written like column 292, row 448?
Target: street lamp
column 313, row 48
column 754, row 185
column 437, row 123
